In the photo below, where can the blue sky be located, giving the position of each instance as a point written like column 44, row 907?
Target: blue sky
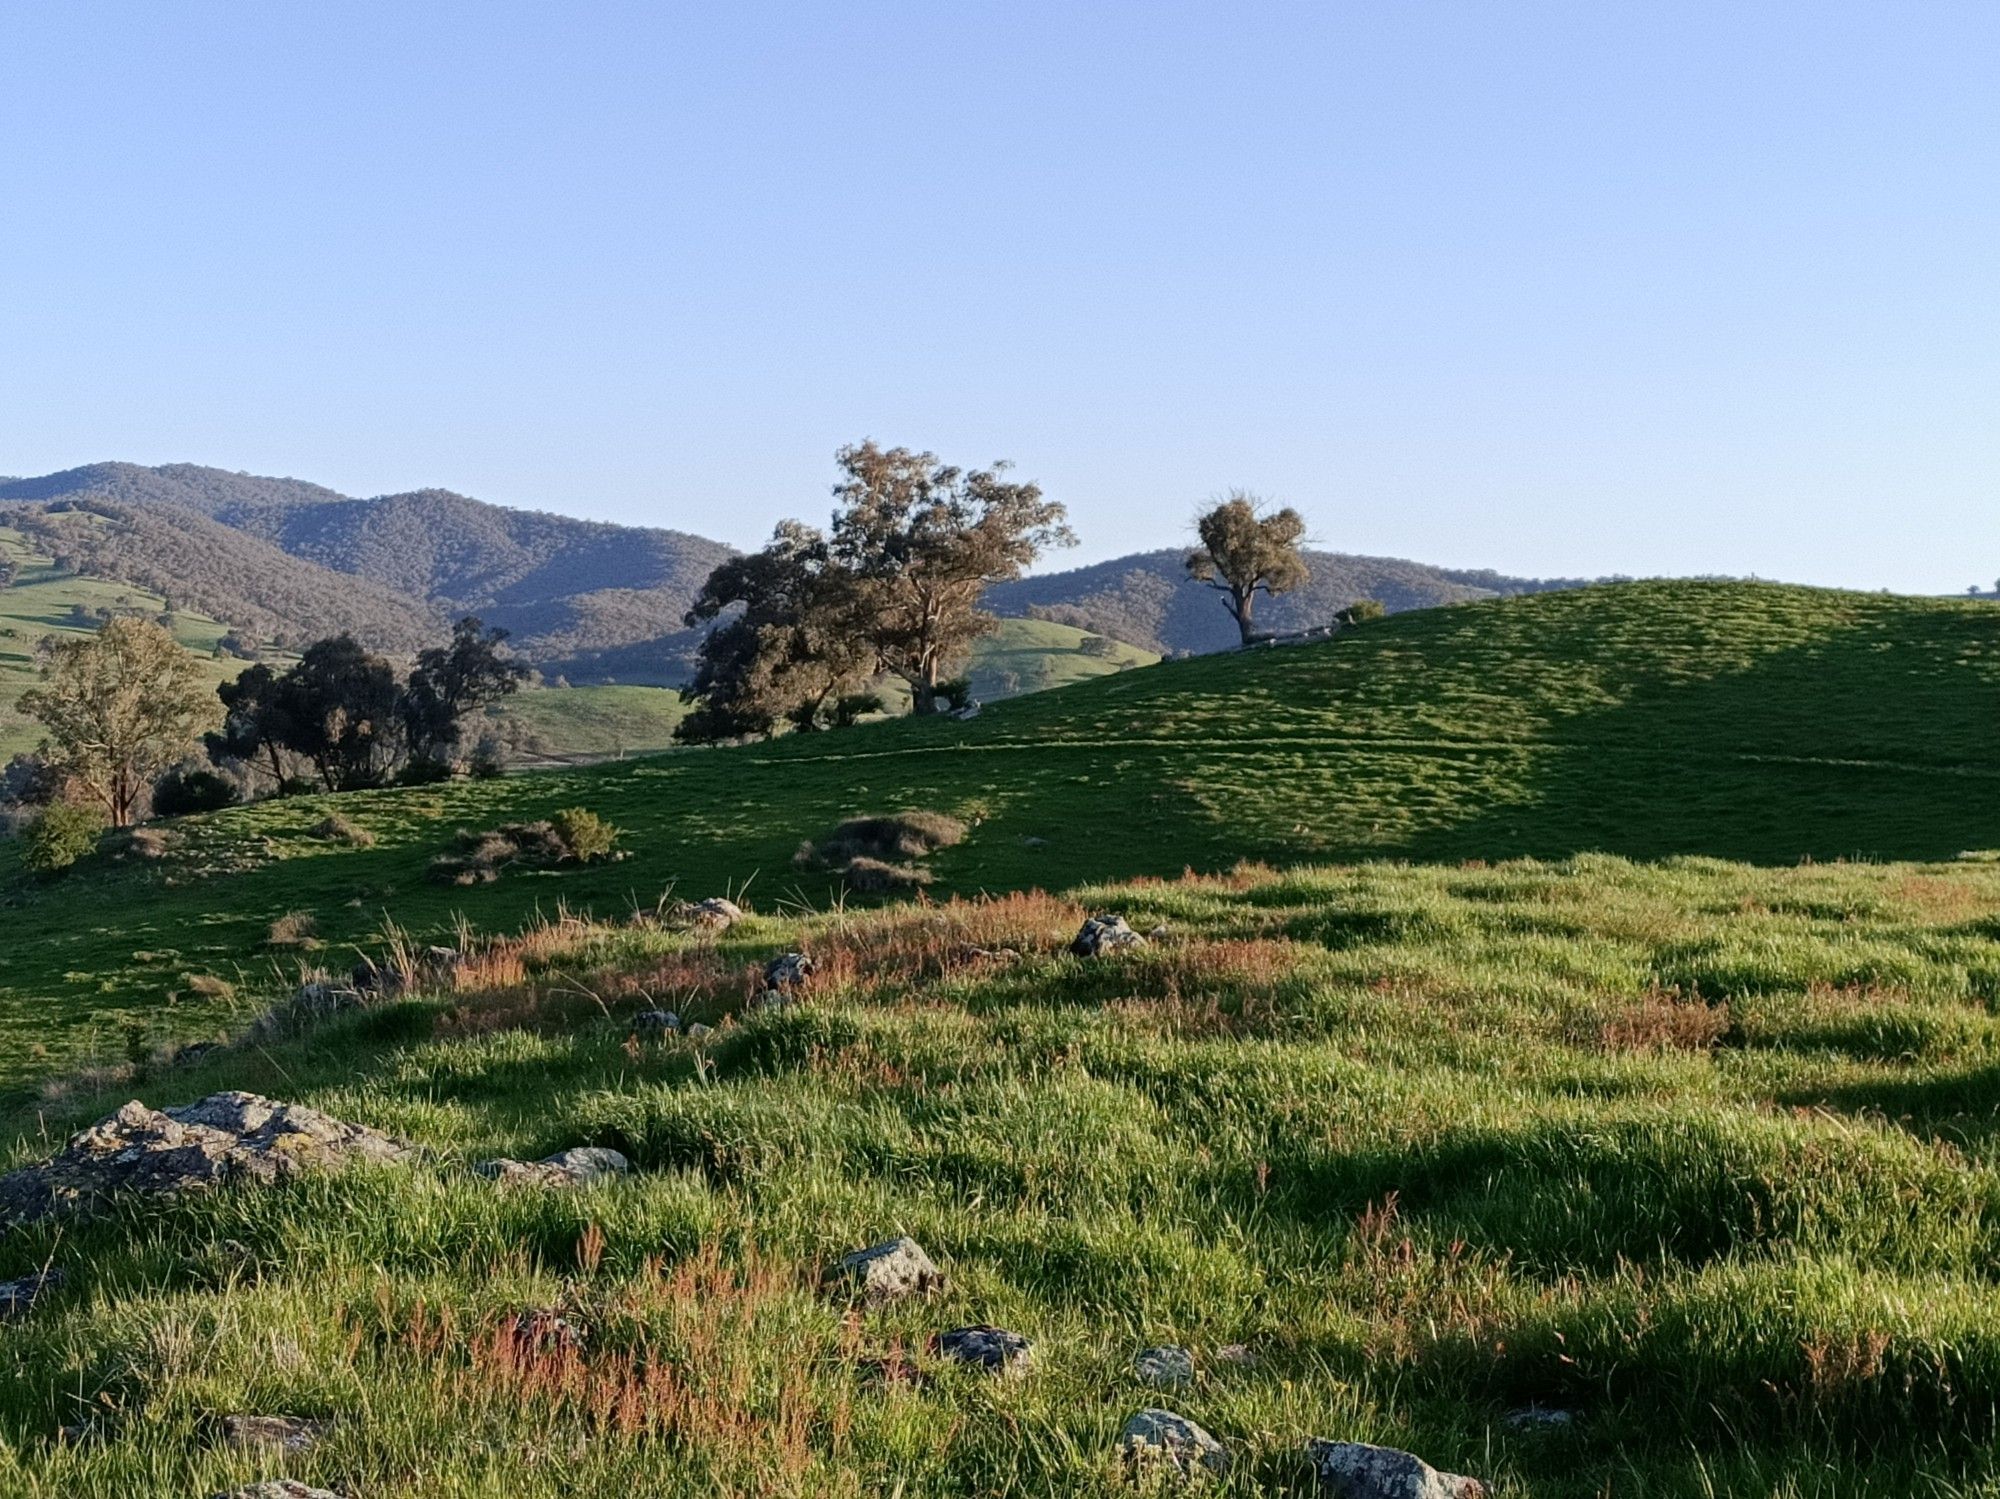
column 1553, row 288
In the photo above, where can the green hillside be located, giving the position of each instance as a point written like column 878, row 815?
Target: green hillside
column 1697, row 1153
column 1748, row 722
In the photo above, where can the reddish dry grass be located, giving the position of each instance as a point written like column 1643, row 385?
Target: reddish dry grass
column 1662, row 1020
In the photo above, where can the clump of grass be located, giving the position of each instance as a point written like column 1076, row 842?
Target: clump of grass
column 575, row 835
column 293, row 929
column 334, row 828
column 877, row 855
column 208, row 986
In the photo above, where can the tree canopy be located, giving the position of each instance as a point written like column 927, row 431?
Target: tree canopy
column 120, row 706
column 1246, row 551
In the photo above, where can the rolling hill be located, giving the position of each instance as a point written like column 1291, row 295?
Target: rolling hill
column 1639, row 1172
column 1748, row 721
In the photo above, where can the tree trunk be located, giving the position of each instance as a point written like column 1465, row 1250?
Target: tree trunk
column 1246, row 606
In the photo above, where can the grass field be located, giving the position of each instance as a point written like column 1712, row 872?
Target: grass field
column 1742, row 721
column 1604, row 1019
column 1699, row 1153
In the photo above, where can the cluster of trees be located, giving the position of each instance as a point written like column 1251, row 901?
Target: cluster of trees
column 344, row 712
column 892, row 587
column 124, row 708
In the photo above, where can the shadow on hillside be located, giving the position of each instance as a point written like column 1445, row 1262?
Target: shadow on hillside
column 1961, row 1108
column 1879, row 740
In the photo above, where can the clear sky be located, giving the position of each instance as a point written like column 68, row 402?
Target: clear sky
column 1554, row 288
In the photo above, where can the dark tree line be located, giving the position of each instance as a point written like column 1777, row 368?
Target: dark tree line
column 891, row 588
column 344, row 712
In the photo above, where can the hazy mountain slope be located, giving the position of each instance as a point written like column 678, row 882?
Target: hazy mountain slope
column 247, row 583
column 1148, row 600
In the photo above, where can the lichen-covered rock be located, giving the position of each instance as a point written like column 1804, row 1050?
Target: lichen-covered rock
column 224, row 1138
column 1168, row 1367
column 577, row 1167
column 993, row 1349
column 714, row 914
column 18, row 1297
column 889, row 1271
column 1102, row 934
column 286, row 1433
column 657, row 1023
column 788, row 971
column 1356, row 1470
column 278, row 1488
column 1160, row 1439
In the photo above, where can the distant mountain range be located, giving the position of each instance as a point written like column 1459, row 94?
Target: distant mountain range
column 287, row 561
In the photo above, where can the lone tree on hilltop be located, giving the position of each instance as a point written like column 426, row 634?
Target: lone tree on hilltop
column 120, row 707
column 925, row 540
column 798, row 645
column 1245, row 552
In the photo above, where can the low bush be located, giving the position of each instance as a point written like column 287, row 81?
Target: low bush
column 337, row 829
column 876, row 855
column 63, row 834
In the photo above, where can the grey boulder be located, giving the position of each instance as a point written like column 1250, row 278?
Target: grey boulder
column 219, row 1140
column 1161, row 1440
column 889, row 1271
column 576, row 1167
column 992, row 1349
column 1356, row 1470
column 788, row 971
column 657, row 1023
column 1103, row 934
column 286, row 1433
column 278, row 1488
column 1165, row 1368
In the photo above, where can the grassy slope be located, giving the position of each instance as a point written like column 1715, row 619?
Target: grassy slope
column 1745, row 721
column 1702, row 1153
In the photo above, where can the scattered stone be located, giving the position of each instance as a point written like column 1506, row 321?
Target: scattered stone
column 1242, row 1355
column 1168, row 1367
column 226, row 1137
column 789, row 971
column 972, row 953
column 1103, row 934
column 714, row 914
column 577, row 1167
column 18, row 1297
column 544, row 1331
column 1157, row 1437
column 1538, row 1418
column 889, row 1271
column 993, row 1349
column 278, row 1488
column 699, row 1032
column 657, row 1023
column 1356, row 1470
column 287, row 1433
column 1031, row 841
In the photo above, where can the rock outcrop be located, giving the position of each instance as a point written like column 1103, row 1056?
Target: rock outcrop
column 224, row 1138
column 992, row 1349
column 1103, row 934
column 1356, row 1470
column 889, row 1271
column 576, row 1167
column 1161, row 1440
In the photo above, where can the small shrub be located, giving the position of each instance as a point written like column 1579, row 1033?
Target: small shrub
column 337, row 829
column 1360, row 612
column 208, row 986
column 63, row 834
column 876, row 855
column 956, row 694
column 179, row 793
column 588, row 836
column 489, row 760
